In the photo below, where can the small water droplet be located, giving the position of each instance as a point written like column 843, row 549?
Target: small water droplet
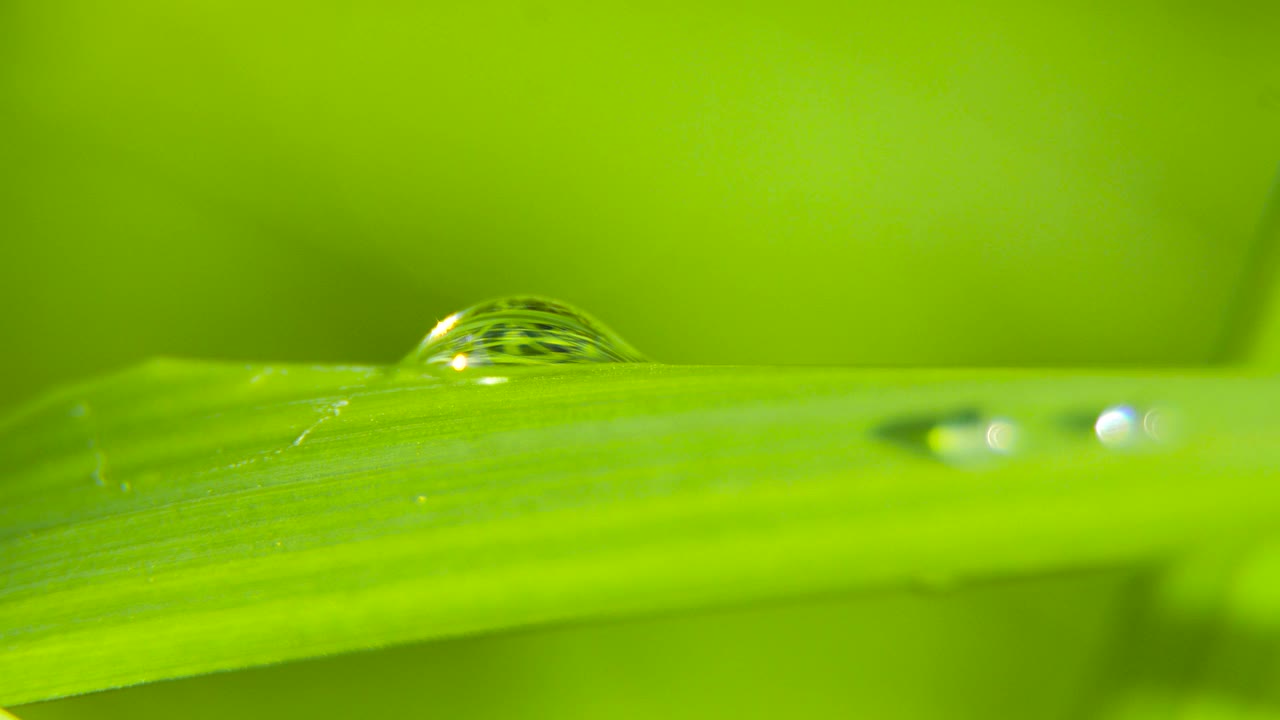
column 1117, row 426
column 971, row 441
column 520, row 331
column 126, row 486
column 1132, row 427
column 421, row 499
column 961, row 439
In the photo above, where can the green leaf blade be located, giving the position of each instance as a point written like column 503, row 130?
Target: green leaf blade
column 287, row 512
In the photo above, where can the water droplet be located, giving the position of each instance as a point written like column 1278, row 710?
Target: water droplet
column 126, row 486
column 970, row 441
column 521, row 331
column 1117, row 426
column 961, row 439
column 1130, row 427
column 421, row 499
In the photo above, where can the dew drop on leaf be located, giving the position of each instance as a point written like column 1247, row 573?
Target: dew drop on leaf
column 961, row 439
column 1117, row 426
column 1124, row 427
column 520, row 331
column 973, row 441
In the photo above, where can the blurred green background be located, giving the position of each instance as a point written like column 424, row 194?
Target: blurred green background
column 812, row 182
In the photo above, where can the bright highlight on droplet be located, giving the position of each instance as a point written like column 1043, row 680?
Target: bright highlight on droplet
column 1002, row 436
column 1116, row 426
column 459, row 362
column 443, row 327
column 492, row 380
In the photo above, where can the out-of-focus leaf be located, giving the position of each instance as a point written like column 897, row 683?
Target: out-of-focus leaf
column 1252, row 329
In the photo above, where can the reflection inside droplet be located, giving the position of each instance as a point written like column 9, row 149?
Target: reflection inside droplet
column 1115, row 426
column 520, row 331
column 492, row 380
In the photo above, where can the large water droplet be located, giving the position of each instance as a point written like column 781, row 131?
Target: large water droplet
column 521, row 331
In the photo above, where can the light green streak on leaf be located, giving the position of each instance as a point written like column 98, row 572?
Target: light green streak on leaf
column 1253, row 327
column 287, row 512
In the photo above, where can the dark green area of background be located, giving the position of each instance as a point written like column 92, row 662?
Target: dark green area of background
column 812, row 182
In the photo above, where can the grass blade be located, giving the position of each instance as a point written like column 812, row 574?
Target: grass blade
column 186, row 517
